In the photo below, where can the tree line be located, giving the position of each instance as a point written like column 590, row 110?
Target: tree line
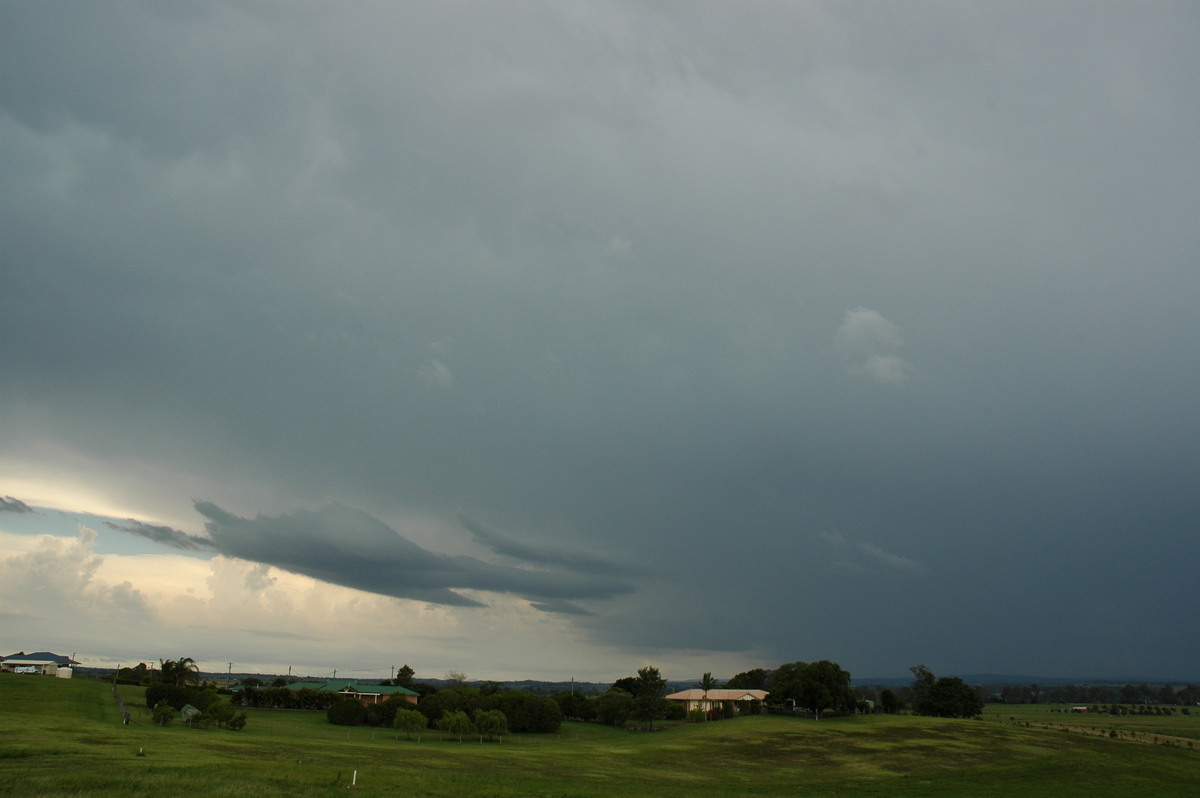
column 1165, row 694
column 912, row 697
column 523, row 713
column 812, row 688
column 817, row 688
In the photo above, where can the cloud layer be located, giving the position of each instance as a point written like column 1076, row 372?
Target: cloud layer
column 616, row 310
column 348, row 547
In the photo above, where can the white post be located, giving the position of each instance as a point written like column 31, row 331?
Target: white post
column 354, row 780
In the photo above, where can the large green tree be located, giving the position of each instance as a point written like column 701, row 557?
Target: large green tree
column 628, row 684
column 754, row 679
column 404, row 677
column 817, row 686
column 923, row 681
column 951, row 697
column 649, row 703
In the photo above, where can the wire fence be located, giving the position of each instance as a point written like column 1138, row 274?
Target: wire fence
column 126, row 718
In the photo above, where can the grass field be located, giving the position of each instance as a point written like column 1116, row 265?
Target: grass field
column 63, row 737
column 1176, row 729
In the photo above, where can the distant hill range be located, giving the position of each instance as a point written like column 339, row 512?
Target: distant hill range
column 999, row 679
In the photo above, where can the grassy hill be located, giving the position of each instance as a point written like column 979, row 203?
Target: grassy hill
column 63, row 737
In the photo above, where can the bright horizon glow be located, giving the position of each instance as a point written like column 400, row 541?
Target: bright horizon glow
column 228, row 606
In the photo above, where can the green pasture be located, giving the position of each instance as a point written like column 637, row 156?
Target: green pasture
column 1176, row 728
column 63, row 737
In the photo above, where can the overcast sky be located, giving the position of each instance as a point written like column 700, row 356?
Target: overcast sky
column 545, row 340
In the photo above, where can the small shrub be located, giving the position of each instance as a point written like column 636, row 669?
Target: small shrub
column 164, row 713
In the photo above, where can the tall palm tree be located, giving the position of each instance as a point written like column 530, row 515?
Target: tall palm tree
column 707, row 682
column 179, row 671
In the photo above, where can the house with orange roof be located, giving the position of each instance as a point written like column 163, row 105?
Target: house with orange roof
column 707, row 700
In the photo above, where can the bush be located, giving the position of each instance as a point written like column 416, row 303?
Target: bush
column 576, row 706
column 613, row 708
column 951, row 697
column 455, row 699
column 491, row 723
column 347, row 712
column 456, row 723
column 276, row 697
column 410, row 721
column 222, row 715
column 385, row 714
column 180, row 695
column 547, row 717
column 164, row 713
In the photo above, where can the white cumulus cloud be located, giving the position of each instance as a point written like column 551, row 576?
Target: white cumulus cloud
column 437, row 373
column 869, row 344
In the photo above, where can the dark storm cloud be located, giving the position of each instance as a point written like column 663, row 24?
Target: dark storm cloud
column 165, row 535
column 275, row 634
column 541, row 555
column 10, row 505
column 682, row 287
column 348, row 547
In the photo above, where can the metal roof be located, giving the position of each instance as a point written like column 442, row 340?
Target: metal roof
column 38, row 658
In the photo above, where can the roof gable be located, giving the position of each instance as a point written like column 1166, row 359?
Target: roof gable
column 721, row 694
column 38, row 657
